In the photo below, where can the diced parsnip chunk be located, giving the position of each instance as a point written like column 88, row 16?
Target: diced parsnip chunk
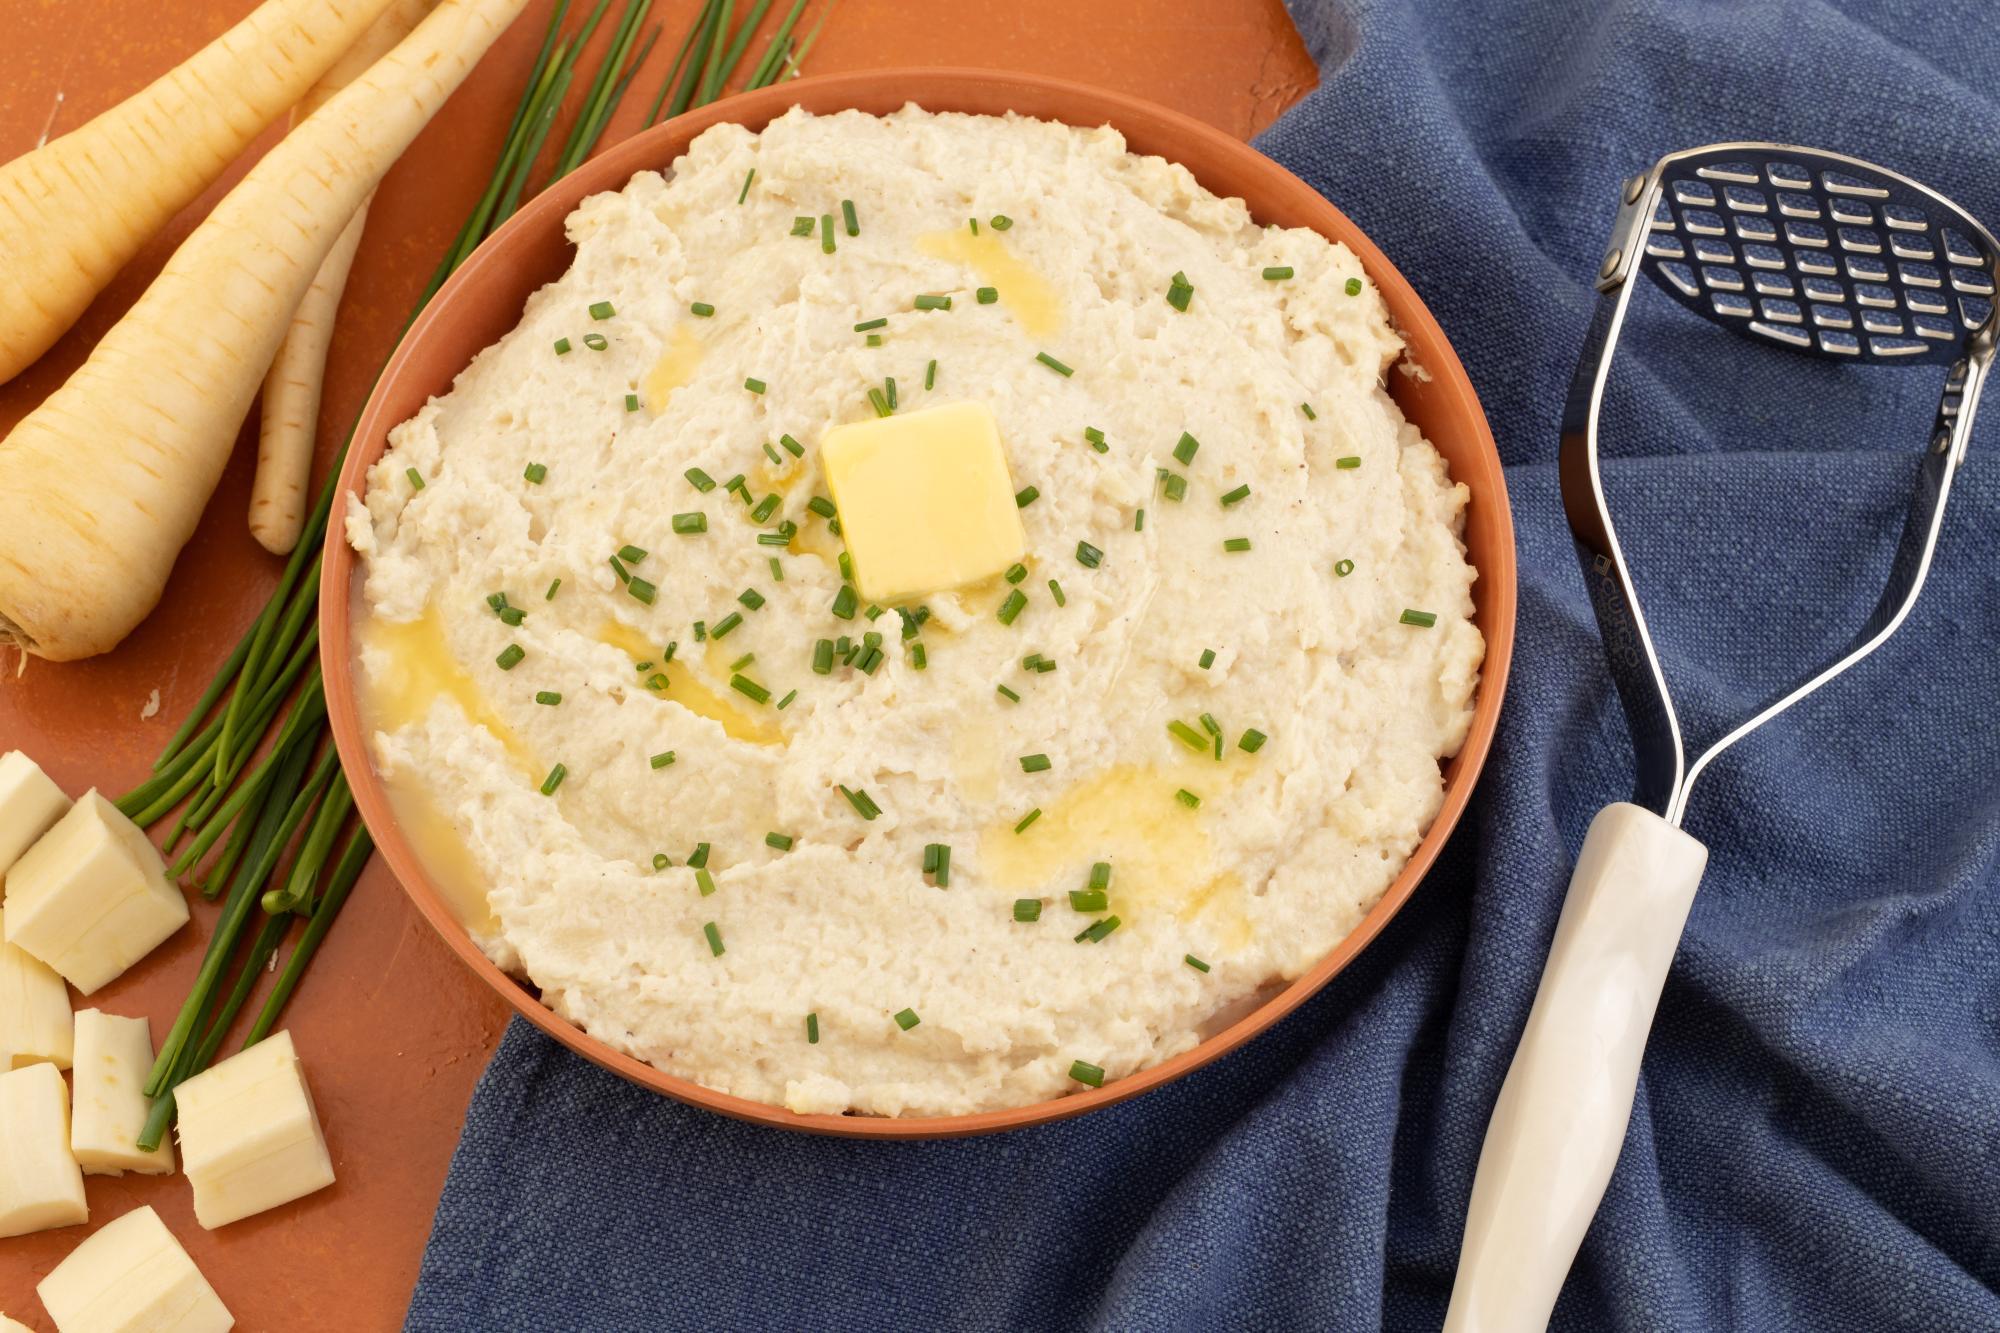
column 34, row 1009
column 29, row 804
column 109, row 1103
column 130, row 1276
column 40, row 1185
column 92, row 897
column 250, row 1139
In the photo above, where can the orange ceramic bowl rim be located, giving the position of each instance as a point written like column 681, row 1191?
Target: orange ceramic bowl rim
column 483, row 300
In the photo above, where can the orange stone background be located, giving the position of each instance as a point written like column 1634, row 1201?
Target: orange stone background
column 393, row 1031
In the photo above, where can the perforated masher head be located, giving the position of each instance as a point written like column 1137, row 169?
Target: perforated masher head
column 1819, row 254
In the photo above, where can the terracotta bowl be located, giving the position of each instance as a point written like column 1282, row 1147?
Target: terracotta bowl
column 483, row 301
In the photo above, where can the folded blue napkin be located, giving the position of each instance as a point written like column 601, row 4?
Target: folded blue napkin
column 1816, row 1143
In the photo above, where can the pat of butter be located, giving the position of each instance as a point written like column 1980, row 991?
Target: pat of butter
column 92, row 897
column 250, row 1139
column 925, row 500
column 40, row 1185
column 132, row 1275
column 34, row 1009
column 29, row 804
column 109, row 1103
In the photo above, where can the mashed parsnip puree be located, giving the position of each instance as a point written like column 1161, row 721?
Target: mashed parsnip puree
column 966, row 852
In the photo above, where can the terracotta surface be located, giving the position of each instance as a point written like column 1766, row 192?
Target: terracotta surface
column 393, row 1027
column 483, row 301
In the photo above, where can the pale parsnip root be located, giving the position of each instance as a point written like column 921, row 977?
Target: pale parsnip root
column 292, row 389
column 75, row 211
column 102, row 485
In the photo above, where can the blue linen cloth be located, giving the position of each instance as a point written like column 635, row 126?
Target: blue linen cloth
column 1816, row 1141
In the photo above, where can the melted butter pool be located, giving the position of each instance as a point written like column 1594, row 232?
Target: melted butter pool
column 1022, row 290
column 686, row 688
column 674, row 369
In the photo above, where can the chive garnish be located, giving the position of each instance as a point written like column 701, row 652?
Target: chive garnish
column 662, row 759
column 1236, row 544
column 751, row 598
column 1027, row 909
column 1187, row 798
column 618, row 568
column 602, row 310
column 1423, row 619
column 864, row 805
column 1187, row 735
column 661, row 860
column 701, row 309
column 802, row 226
column 1174, row 485
column 1252, row 741
column 1055, row 591
column 776, row 458
column 973, row 223
column 879, row 322
column 1012, row 607
column 1028, row 819
column 688, row 524
column 1053, row 364
column 750, row 689
column 1179, row 292
column 929, row 302
column 631, row 554
column 1086, row 1073
column 1307, row 408
column 846, row 567
column 879, row 403
column 1239, row 494
column 700, row 480
column 548, row 697
column 1278, row 273
column 1016, row 572
column 1088, row 900
column 1000, row 222
column 1185, row 447
column 510, row 657
column 1207, row 658
column 786, row 702
column 812, row 1029
column 754, row 385
column 656, row 681
column 907, row 1019
column 781, row 841
column 554, row 780
column 1354, row 286
column 631, row 402
column 889, row 390
column 596, row 342
column 986, row 295
column 699, row 856
column 700, row 631
column 931, row 857
column 1088, row 556
column 1036, row 763
column 641, row 589
column 536, row 472
column 845, row 602
column 1210, row 725
column 743, row 661
column 919, row 659
column 1100, row 874
column 735, row 485
column 1095, row 439
column 714, row 938
column 1097, row 930
column 847, row 216
column 1195, row 963
column 704, row 881
column 1349, row 463
column 1026, row 496
column 511, row 615
column 744, row 193
column 1006, row 693
column 550, row 595
column 826, row 233
column 1343, row 567
column 822, row 506
column 765, row 508
column 792, row 446
column 562, row 347
column 416, row 479
column 823, row 657
column 874, row 340
column 1139, row 521
column 930, row 375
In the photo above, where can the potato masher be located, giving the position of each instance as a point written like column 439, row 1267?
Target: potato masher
column 1815, row 252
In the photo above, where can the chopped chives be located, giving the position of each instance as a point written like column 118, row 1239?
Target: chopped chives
column 1185, row 447
column 1187, row 735
column 700, row 480
column 944, row 865
column 1027, row 909
column 823, row 657
column 1100, row 874
column 744, row 193
column 812, row 1029
column 889, row 390
column 1236, row 544
column 1055, row 591
column 1252, row 741
column 1195, row 963
column 1000, row 222
column 1026, row 496
column 928, row 302
column 869, row 661
column 847, row 216
column 1036, row 763
column 781, row 841
column 416, row 479
column 511, row 615
column 510, row 657
column 641, row 589
column 701, row 309
column 1232, row 497
column 930, row 374
column 700, row 631
column 1139, row 521
column 907, row 1019
column 1179, row 292
column 931, row 857
column 750, row 689
column 1095, row 439
column 1028, row 819
column 1053, row 364
column 1343, row 567
column 826, row 233
column 822, row 506
column 743, row 661
column 845, row 602
column 656, row 681
column 661, row 860
column 879, row 322
column 1016, row 572
column 986, row 295
column 662, row 759
column 735, row 485
column 1004, row 692
column 1307, row 408
column 1210, row 725
column 554, row 780
column 777, row 536
column 1278, row 273
column 1012, row 607
column 1086, row 1073
column 550, row 595
column 1175, row 487
column 1349, row 463
column 1187, row 798
column 864, row 805
column 562, row 347
column 618, row 568
column 536, row 472
column 771, row 453
column 596, row 342
column 704, row 881
column 754, row 385
column 1207, row 658
column 631, row 554
column 879, row 403
column 765, row 508
column 792, row 446
column 1424, row 619
column 786, row 702
column 751, row 598
column 668, row 655
column 602, row 310
column 688, row 524
column 846, row 567
column 874, row 340
column 1097, row 930
column 974, row 224
column 699, row 856
column 802, row 226
column 1088, row 556
column 1088, row 900
column 547, row 697
column 919, row 659
column 714, row 937
column 1354, row 286
column 631, row 402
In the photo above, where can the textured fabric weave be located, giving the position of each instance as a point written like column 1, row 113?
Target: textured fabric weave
column 1816, row 1142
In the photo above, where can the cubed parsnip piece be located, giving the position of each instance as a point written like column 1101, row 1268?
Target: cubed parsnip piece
column 250, row 1139
column 108, row 1100
column 29, row 804
column 925, row 500
column 40, row 1185
column 92, row 897
column 132, row 1276
column 34, row 1009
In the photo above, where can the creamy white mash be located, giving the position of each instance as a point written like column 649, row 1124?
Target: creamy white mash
column 1341, row 636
